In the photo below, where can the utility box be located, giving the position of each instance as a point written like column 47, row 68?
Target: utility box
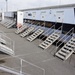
column 19, row 19
column 2, row 16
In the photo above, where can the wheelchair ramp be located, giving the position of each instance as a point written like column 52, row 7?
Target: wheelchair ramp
column 6, row 49
column 67, row 50
column 2, row 41
column 12, row 24
column 21, row 29
column 29, row 30
column 35, row 35
column 50, row 40
column 6, row 44
column 8, row 23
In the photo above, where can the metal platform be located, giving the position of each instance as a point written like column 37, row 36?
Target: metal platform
column 50, row 40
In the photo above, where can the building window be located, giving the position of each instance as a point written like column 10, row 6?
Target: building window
column 34, row 13
column 60, row 11
column 29, row 14
column 50, row 12
column 43, row 12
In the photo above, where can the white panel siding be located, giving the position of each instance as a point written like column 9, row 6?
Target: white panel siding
column 50, row 14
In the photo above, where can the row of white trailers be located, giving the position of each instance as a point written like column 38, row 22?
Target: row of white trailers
column 63, row 13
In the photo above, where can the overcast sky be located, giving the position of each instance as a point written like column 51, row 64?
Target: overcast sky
column 24, row 4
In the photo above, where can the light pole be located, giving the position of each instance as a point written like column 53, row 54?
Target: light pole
column 59, row 2
column 6, row 5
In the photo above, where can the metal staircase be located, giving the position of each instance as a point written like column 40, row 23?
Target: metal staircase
column 67, row 50
column 35, row 35
column 12, row 24
column 29, row 30
column 51, row 39
column 37, row 31
column 21, row 29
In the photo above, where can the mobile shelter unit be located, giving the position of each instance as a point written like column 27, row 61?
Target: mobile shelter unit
column 54, row 14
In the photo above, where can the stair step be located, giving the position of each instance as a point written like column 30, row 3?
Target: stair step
column 69, row 47
column 69, row 54
column 61, row 52
column 53, row 37
column 45, row 43
column 71, row 43
column 56, row 35
column 60, row 56
column 65, row 51
column 48, row 41
column 73, row 40
column 42, row 46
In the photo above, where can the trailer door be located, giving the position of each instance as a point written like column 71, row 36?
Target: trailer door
column 59, row 16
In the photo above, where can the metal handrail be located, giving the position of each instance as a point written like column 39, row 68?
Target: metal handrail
column 37, row 27
column 21, row 67
column 57, row 46
column 14, row 70
column 65, row 35
column 54, row 30
column 59, row 28
column 22, row 60
column 49, row 29
column 46, row 32
column 63, row 41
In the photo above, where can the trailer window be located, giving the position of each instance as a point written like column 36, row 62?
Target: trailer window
column 29, row 14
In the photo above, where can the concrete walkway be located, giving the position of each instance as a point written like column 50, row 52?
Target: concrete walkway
column 30, row 52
